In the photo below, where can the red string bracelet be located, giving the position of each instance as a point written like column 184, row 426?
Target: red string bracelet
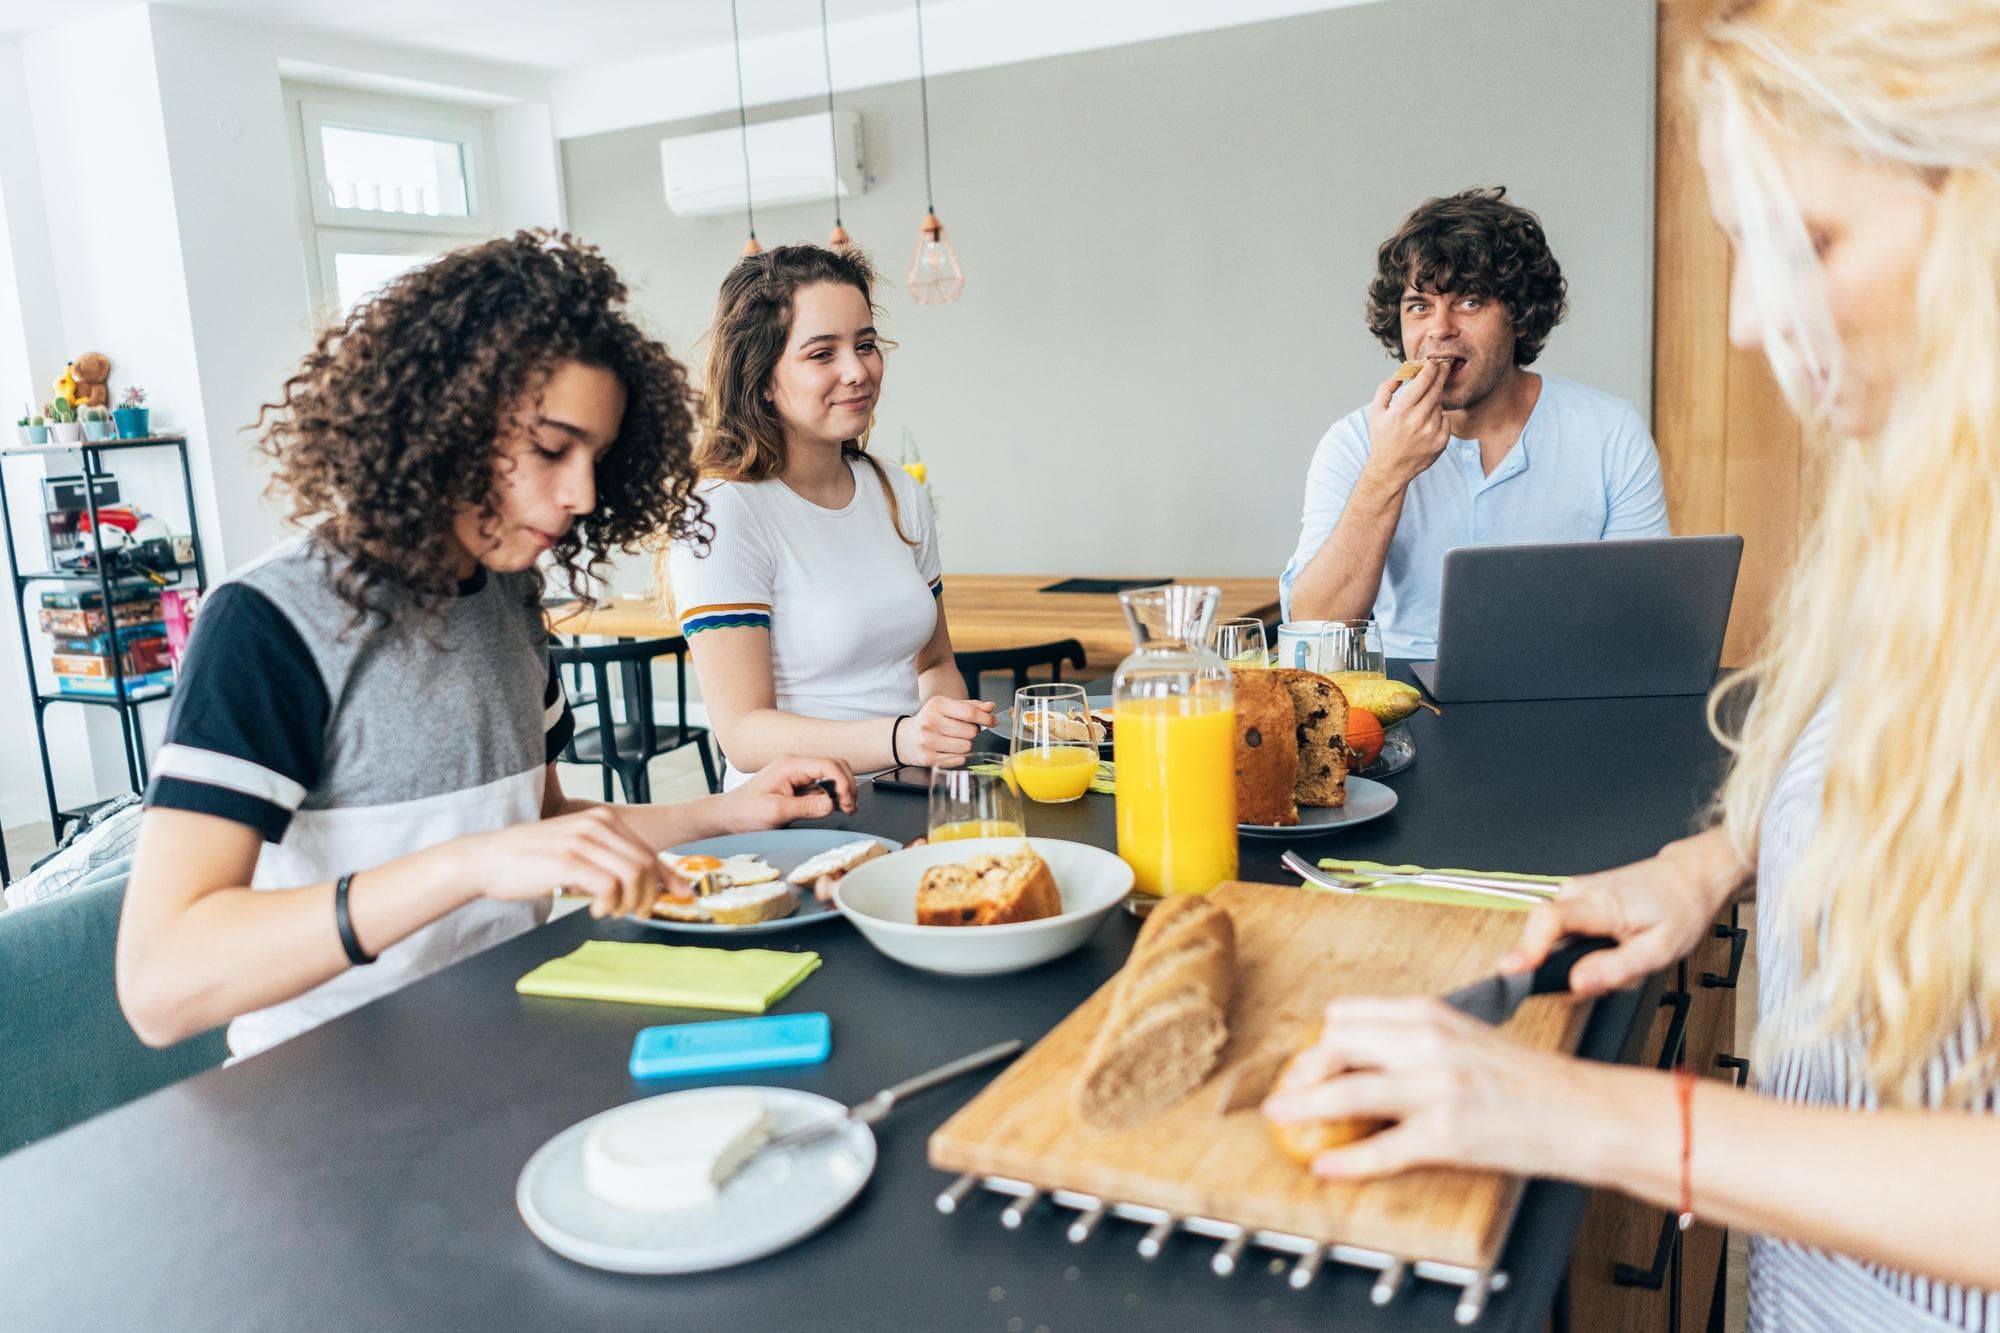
column 1684, row 1079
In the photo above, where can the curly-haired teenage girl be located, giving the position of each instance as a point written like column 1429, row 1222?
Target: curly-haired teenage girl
column 357, row 785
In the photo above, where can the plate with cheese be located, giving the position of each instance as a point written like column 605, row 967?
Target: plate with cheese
column 758, row 883
column 680, row 1183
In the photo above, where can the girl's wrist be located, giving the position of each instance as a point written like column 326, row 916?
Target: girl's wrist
column 1623, row 1127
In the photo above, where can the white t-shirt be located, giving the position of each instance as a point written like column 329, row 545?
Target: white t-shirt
column 847, row 601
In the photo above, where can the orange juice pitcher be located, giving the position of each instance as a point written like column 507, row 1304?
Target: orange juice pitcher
column 1173, row 744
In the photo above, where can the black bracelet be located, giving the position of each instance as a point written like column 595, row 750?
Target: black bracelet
column 893, row 729
column 345, row 924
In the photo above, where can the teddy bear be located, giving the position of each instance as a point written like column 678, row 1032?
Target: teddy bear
column 93, row 380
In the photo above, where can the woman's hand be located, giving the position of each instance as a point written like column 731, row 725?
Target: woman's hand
column 1461, row 1093
column 1658, row 910
column 940, row 734
column 592, row 852
column 785, row 789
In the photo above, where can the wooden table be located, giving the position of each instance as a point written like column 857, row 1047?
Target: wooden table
column 988, row 612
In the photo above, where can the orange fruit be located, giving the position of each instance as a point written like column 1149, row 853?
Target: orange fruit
column 1364, row 738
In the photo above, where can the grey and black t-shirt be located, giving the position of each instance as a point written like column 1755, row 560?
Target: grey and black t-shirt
column 346, row 746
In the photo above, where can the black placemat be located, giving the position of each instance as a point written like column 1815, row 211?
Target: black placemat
column 1102, row 585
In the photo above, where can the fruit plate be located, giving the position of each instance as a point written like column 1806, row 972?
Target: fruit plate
column 1365, row 801
column 786, row 849
column 1399, row 751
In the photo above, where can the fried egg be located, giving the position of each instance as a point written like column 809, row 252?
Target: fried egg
column 748, row 868
column 690, row 867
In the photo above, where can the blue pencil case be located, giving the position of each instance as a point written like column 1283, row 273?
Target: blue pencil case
column 770, row 1042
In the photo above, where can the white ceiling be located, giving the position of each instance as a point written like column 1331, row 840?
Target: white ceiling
column 538, row 34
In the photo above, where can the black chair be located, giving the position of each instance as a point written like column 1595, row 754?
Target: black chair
column 1019, row 661
column 625, row 747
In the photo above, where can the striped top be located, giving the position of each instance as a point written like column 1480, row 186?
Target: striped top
column 844, row 602
column 1797, row 1288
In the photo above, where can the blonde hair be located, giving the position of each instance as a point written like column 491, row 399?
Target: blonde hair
column 1894, row 605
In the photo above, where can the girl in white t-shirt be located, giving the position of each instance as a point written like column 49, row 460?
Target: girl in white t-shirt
column 815, row 615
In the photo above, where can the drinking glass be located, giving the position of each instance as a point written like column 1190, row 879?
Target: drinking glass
column 980, row 800
column 1351, row 648
column 1055, row 756
column 1241, row 643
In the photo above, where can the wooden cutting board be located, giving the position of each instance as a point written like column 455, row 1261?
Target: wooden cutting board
column 1295, row 951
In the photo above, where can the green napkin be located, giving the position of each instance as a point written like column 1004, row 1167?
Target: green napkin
column 747, row 981
column 1425, row 893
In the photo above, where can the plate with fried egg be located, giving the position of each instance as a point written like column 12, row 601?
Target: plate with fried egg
column 760, row 882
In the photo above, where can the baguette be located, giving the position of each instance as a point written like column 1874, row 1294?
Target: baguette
column 1169, row 1017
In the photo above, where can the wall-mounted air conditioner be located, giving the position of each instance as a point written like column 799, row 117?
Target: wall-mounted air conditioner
column 791, row 162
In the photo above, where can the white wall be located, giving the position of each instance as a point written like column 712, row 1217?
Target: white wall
column 149, row 213
column 1167, row 247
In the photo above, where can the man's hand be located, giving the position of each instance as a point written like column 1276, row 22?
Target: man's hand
column 1406, row 428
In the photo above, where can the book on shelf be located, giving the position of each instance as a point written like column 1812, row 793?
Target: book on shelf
column 79, row 623
column 103, row 687
column 122, row 591
column 100, row 644
column 139, row 657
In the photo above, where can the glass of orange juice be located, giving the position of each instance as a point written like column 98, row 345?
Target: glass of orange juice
column 980, row 800
column 1055, row 751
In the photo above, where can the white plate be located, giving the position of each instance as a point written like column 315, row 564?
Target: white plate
column 779, row 1198
column 1365, row 801
column 786, row 849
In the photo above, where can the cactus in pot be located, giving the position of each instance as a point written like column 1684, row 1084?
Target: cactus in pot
column 134, row 417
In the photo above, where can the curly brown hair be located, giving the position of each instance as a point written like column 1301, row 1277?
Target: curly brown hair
column 1473, row 243
column 391, row 424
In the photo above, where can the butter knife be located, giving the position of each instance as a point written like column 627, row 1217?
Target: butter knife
column 872, row 1110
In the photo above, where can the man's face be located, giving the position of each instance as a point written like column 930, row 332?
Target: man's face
column 1475, row 334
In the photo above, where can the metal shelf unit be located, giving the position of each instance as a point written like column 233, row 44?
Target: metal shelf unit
column 125, row 705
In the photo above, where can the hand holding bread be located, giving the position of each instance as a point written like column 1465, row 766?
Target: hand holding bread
column 1406, row 426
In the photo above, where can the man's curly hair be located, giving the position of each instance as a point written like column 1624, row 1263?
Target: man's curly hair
column 390, row 426
column 1473, row 243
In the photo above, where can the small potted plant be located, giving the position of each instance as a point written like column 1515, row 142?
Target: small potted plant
column 64, row 428
column 35, row 428
column 134, row 417
column 96, row 422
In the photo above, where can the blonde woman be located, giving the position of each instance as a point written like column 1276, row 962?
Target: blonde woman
column 815, row 615
column 1852, row 149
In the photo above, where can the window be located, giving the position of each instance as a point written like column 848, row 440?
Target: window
column 387, row 185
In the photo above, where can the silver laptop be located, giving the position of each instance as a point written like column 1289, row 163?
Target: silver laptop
column 1582, row 620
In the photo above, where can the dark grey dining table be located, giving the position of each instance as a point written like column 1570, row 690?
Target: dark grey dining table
column 362, row 1175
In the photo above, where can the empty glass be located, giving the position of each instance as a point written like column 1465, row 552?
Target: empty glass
column 1055, row 752
column 980, row 800
column 1241, row 643
column 1332, row 647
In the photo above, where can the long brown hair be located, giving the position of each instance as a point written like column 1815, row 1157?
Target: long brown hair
column 391, row 421
column 743, row 438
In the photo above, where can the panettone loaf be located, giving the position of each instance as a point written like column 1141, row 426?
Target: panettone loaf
column 1267, row 752
column 1320, row 713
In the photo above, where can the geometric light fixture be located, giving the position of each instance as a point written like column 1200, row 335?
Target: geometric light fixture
column 750, row 247
column 839, row 242
column 935, row 277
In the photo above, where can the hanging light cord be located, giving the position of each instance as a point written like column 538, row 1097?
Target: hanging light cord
column 924, row 92
column 832, row 138
column 742, row 121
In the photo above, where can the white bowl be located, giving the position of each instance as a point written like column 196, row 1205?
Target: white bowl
column 880, row 898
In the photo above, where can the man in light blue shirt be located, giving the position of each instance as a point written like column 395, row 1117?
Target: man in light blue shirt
column 1473, row 449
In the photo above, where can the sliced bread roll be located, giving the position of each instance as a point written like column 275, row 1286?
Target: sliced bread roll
column 1169, row 1017
column 1267, row 753
column 1320, row 713
column 1303, row 1140
column 988, row 891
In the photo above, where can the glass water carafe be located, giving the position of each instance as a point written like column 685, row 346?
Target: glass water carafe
column 1174, row 744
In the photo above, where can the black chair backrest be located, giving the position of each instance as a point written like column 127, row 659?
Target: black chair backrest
column 1019, row 661
column 634, row 660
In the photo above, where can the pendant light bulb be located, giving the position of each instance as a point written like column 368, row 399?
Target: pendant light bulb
column 840, row 242
column 935, row 277
column 752, row 247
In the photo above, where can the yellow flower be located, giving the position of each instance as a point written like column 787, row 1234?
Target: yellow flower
column 918, row 472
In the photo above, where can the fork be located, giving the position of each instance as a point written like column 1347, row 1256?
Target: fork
column 1358, row 881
